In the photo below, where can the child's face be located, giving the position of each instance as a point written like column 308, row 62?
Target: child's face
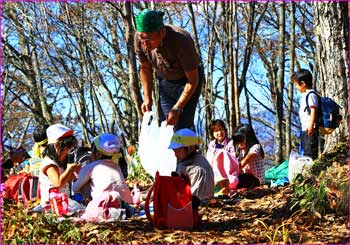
column 300, row 86
column 63, row 154
column 181, row 153
column 219, row 134
column 242, row 144
column 18, row 155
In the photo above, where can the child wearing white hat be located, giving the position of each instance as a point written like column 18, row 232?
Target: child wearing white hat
column 54, row 170
column 104, row 172
column 189, row 161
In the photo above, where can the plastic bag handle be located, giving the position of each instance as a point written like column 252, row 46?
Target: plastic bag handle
column 148, row 117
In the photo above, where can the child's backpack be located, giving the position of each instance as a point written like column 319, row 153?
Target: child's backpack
column 172, row 203
column 329, row 117
column 22, row 188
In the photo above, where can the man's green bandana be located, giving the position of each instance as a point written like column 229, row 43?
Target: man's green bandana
column 149, row 21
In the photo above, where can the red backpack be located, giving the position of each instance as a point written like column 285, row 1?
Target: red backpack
column 172, row 203
column 22, row 187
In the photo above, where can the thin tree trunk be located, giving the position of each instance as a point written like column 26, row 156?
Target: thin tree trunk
column 280, row 86
column 225, row 40
column 133, row 78
column 290, row 83
column 236, row 111
column 202, row 76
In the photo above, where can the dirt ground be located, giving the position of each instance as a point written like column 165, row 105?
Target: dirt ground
column 259, row 216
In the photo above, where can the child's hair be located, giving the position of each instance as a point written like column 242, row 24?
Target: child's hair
column 215, row 125
column 94, row 150
column 245, row 131
column 50, row 151
column 39, row 133
column 303, row 75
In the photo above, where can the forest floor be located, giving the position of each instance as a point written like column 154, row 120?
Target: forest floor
column 255, row 216
column 259, row 216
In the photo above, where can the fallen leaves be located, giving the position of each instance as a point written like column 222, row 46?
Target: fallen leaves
column 259, row 216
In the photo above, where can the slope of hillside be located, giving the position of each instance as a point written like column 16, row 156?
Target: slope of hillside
column 264, row 215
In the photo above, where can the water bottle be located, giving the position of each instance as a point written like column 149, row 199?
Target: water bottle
column 58, row 202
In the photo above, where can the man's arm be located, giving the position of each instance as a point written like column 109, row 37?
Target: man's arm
column 189, row 89
column 146, row 81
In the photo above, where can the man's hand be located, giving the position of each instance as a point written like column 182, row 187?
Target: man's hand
column 173, row 117
column 146, row 106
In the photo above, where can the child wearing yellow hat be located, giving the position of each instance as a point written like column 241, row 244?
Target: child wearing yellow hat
column 189, row 161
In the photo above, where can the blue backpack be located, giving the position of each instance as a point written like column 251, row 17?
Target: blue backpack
column 328, row 114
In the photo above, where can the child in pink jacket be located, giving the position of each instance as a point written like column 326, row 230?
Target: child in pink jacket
column 221, row 156
column 108, row 186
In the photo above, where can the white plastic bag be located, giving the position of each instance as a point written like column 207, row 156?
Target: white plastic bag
column 153, row 146
column 298, row 164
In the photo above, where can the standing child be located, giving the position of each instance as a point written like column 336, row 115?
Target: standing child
column 308, row 115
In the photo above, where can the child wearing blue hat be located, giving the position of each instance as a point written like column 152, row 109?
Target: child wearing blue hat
column 189, row 161
column 104, row 172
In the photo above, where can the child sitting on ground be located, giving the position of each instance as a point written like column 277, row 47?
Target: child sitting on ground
column 221, row 156
column 17, row 161
column 54, row 170
column 218, row 134
column 250, row 154
column 40, row 139
column 105, row 177
column 189, row 161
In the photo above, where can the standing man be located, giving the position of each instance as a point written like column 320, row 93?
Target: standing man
column 170, row 50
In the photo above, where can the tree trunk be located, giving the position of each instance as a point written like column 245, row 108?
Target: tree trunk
column 332, row 45
column 133, row 78
column 290, row 83
column 202, row 76
column 236, row 110
column 225, row 42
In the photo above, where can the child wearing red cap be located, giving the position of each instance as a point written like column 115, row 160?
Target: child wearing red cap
column 54, row 170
